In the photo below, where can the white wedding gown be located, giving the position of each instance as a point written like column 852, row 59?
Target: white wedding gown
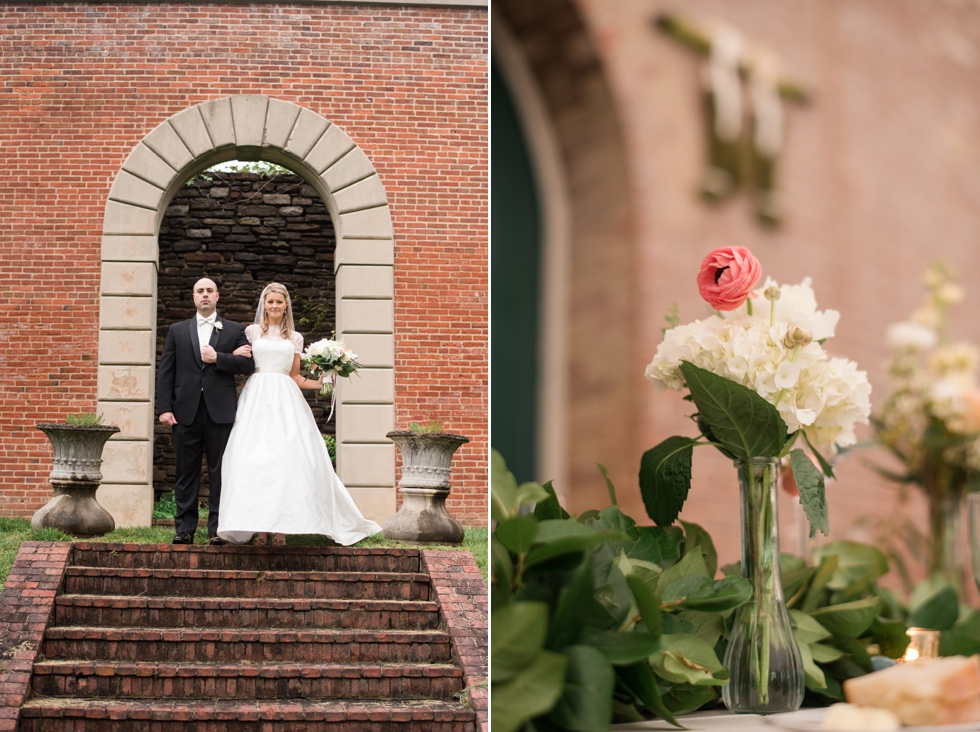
column 276, row 471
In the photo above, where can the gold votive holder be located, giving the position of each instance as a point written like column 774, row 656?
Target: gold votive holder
column 923, row 643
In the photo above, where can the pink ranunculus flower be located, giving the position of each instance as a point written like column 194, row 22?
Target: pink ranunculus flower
column 727, row 277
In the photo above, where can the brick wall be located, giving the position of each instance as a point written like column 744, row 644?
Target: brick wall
column 84, row 83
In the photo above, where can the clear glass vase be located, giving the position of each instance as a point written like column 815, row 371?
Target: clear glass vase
column 945, row 558
column 762, row 657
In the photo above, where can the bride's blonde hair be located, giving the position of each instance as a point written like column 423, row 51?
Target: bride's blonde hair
column 286, row 327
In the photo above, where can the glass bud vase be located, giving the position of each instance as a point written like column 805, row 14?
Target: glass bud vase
column 945, row 559
column 762, row 657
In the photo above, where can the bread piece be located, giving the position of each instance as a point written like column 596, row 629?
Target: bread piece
column 849, row 718
column 924, row 692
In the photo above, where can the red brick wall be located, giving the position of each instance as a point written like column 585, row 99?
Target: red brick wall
column 82, row 84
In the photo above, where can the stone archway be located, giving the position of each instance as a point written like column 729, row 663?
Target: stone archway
column 248, row 127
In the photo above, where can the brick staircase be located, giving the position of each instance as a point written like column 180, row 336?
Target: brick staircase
column 246, row 638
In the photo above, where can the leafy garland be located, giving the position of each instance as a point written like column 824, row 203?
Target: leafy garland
column 597, row 620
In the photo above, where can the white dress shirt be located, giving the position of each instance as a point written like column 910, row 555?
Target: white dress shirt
column 205, row 327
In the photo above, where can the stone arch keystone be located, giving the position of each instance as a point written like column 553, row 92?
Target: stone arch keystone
column 247, row 127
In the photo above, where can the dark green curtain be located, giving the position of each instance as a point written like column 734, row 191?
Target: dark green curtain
column 515, row 264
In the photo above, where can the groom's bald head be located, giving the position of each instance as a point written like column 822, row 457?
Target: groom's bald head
column 205, row 296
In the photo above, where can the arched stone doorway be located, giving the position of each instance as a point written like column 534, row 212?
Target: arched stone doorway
column 248, row 127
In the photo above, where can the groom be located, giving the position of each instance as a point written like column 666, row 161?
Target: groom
column 196, row 396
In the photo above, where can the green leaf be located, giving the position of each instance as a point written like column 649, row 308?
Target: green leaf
column 693, row 563
column 858, row 566
column 824, row 654
column 609, row 484
column 795, row 583
column 813, row 675
column 529, row 694
column 647, row 602
column 742, row 421
column 709, row 626
column 557, row 537
column 939, row 612
column 665, row 478
column 676, row 625
column 668, row 539
column 849, row 619
column 719, row 596
column 639, row 681
column 646, row 549
column 687, row 659
column 806, row 629
column 501, row 573
column 621, row 648
column 890, row 636
column 684, row 699
column 611, row 517
column 568, row 621
column 505, row 495
column 856, row 652
column 519, row 631
column 517, row 533
column 586, row 703
column 551, row 508
column 695, row 536
column 681, row 587
column 825, row 466
column 810, row 483
column 825, row 573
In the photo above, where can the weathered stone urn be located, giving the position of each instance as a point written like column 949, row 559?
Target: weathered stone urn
column 424, row 486
column 75, row 478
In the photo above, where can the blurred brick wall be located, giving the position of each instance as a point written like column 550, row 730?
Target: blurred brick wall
column 82, row 84
column 880, row 175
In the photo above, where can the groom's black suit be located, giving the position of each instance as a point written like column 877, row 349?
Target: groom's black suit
column 202, row 398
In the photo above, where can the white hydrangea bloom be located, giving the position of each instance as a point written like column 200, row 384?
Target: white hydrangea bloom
column 909, row 336
column 825, row 397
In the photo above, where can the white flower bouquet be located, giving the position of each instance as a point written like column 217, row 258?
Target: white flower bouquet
column 331, row 357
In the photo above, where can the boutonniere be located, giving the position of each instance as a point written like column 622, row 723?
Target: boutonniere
column 218, row 325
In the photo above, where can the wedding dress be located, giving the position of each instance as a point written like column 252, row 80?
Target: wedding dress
column 276, row 471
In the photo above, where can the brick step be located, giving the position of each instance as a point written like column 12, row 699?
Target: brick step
column 232, row 612
column 109, row 715
column 245, row 681
column 267, row 558
column 190, row 645
column 234, row 583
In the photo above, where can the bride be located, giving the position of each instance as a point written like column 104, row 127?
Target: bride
column 277, row 474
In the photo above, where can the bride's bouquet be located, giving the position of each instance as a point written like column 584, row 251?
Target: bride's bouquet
column 327, row 356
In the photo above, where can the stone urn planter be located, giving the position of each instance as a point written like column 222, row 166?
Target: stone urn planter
column 424, row 487
column 75, row 478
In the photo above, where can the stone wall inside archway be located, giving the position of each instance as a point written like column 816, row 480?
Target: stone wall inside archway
column 247, row 127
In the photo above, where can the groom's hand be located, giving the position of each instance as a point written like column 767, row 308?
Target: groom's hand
column 208, row 354
column 168, row 418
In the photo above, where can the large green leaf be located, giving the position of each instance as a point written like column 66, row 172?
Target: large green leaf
column 586, row 702
column 810, row 483
column 517, row 533
column 824, row 654
column 743, row 422
column 696, row 536
column 569, row 619
column 806, row 629
column 681, row 587
column 858, row 565
column 640, row 681
column 519, row 632
column 813, row 675
column 891, row 637
column 939, row 612
column 825, row 572
column 720, row 595
column 501, row 573
column 647, row 603
column 709, row 626
column 506, row 497
column 693, row 563
column 621, row 648
column 529, row 694
column 665, row 478
column 687, row 659
column 550, row 508
column 684, row 699
column 667, row 538
column 963, row 639
column 849, row 619
column 556, row 537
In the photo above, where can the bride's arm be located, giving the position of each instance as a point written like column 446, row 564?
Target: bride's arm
column 301, row 381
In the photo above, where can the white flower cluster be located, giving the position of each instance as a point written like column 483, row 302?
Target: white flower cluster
column 329, row 354
column 824, row 396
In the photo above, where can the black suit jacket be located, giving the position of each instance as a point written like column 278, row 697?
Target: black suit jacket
column 183, row 378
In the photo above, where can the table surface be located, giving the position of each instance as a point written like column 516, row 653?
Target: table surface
column 713, row 719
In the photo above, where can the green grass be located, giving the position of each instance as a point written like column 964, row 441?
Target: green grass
column 14, row 531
